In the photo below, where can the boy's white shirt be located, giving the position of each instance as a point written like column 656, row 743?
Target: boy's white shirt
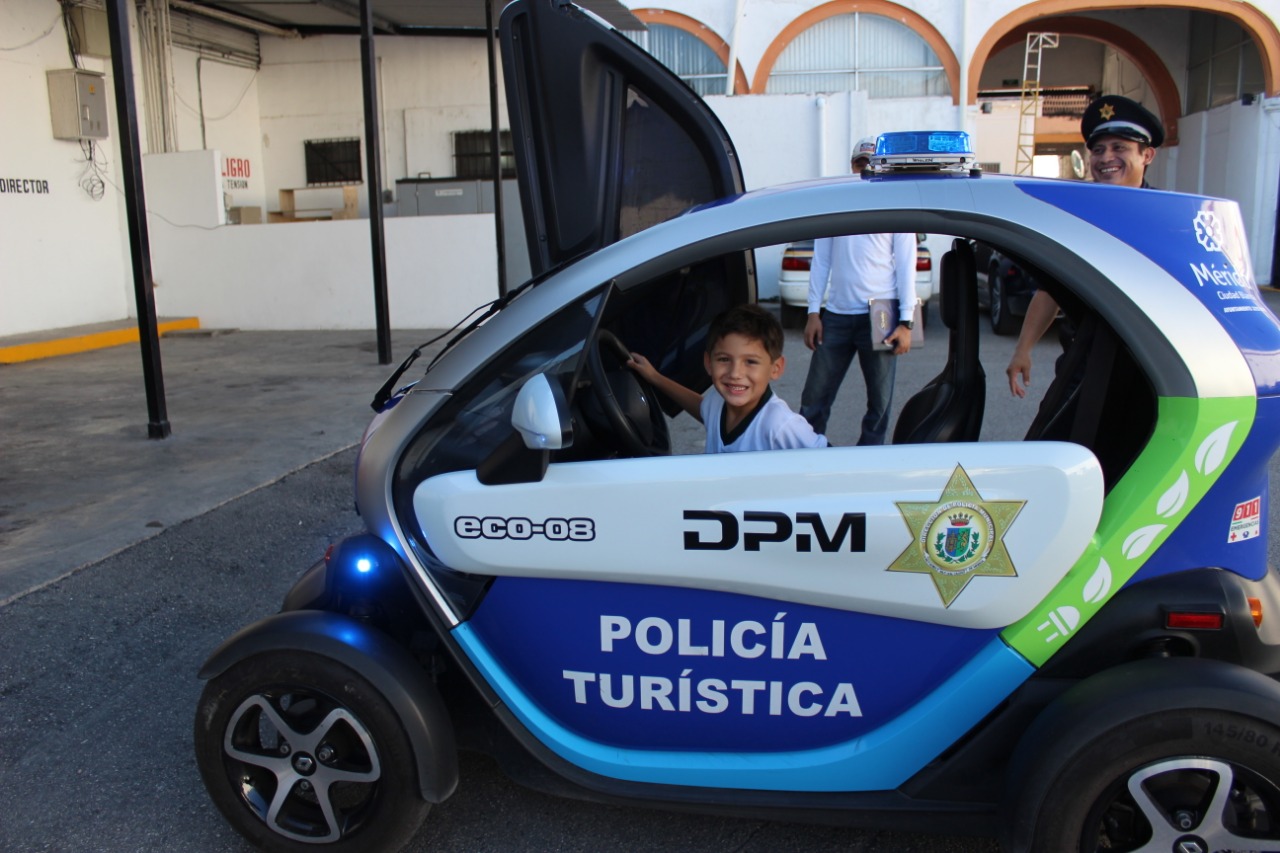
column 773, row 427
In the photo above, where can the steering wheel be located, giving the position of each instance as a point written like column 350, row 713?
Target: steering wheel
column 628, row 401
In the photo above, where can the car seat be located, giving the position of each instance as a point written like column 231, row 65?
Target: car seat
column 950, row 407
column 1100, row 398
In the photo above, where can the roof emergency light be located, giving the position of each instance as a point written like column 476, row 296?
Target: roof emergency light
column 924, row 150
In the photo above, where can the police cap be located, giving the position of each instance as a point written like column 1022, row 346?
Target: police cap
column 1113, row 115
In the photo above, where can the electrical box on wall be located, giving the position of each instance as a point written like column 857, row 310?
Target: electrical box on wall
column 77, row 104
column 89, row 27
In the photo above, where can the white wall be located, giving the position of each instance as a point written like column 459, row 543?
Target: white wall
column 65, row 254
column 319, row 275
column 429, row 87
column 183, row 188
column 227, row 95
column 1245, row 141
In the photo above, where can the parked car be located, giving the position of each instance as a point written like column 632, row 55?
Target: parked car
column 793, row 280
column 793, row 283
column 1070, row 641
column 1004, row 289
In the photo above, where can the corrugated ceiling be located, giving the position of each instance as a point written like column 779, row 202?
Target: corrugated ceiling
column 393, row 15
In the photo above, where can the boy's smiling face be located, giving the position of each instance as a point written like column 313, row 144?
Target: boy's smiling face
column 741, row 369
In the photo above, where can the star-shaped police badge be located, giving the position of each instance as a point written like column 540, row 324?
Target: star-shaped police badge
column 957, row 537
column 1107, row 112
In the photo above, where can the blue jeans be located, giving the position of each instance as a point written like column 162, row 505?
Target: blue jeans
column 843, row 336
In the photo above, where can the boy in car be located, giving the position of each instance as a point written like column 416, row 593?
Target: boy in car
column 744, row 354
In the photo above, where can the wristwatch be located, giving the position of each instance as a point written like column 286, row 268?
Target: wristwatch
column 910, row 324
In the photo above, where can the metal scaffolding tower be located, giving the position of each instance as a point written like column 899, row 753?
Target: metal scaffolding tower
column 1029, row 106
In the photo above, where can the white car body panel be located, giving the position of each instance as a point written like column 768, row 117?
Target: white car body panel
column 632, row 524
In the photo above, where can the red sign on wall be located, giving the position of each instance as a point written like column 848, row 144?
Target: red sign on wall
column 235, row 171
column 235, row 167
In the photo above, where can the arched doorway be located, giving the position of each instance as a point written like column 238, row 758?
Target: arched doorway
column 1257, row 24
column 921, row 27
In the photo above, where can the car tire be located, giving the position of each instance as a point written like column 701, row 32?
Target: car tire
column 1183, row 777
column 300, row 753
column 792, row 316
column 924, row 314
column 1002, row 322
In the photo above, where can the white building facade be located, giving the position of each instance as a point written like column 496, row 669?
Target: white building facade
column 228, row 113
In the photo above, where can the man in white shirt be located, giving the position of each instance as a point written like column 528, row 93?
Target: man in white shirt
column 859, row 268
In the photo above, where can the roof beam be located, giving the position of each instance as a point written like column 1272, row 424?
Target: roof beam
column 353, row 11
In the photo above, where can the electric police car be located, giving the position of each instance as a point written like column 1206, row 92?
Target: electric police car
column 1070, row 640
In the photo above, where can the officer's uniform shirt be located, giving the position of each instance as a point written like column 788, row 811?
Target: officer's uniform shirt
column 772, row 426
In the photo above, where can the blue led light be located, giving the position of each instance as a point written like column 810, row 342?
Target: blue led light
column 924, row 142
column 924, row 151
column 364, row 565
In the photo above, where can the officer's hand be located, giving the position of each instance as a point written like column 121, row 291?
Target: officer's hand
column 1019, row 373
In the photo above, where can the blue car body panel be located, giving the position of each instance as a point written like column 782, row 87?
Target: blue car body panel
column 926, row 686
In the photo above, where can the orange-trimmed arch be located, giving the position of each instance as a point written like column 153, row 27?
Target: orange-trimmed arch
column 1146, row 60
column 901, row 14
column 700, row 31
column 1033, row 17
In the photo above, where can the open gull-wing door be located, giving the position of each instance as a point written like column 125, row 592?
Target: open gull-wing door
column 607, row 140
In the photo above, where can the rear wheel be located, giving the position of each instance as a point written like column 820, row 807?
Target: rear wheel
column 1002, row 322
column 1192, row 781
column 792, row 316
column 300, row 753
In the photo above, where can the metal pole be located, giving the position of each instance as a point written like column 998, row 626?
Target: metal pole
column 372, row 150
column 135, row 211
column 731, row 64
column 495, row 150
column 1275, row 251
column 962, row 48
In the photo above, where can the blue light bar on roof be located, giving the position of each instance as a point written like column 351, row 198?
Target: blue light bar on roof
column 923, row 150
column 924, row 142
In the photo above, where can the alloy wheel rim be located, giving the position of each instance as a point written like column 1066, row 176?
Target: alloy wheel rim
column 308, row 775
column 1187, row 805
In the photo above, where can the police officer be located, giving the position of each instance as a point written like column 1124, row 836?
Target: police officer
column 1122, row 137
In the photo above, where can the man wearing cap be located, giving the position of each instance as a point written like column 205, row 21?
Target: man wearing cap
column 1122, row 137
column 859, row 267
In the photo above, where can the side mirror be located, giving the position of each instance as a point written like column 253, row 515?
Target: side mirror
column 542, row 424
column 541, row 415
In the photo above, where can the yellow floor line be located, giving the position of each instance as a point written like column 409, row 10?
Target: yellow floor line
column 83, row 343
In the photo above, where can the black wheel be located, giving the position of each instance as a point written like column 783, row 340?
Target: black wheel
column 1002, row 322
column 792, row 316
column 1184, row 780
column 300, row 753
